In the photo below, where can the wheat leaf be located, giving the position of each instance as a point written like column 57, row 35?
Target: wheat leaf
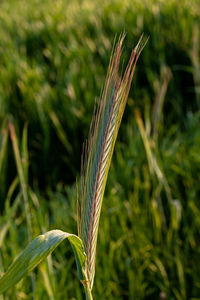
column 38, row 250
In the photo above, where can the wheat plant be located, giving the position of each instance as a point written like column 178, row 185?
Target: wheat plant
column 96, row 159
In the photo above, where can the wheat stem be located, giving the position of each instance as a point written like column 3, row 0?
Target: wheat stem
column 88, row 293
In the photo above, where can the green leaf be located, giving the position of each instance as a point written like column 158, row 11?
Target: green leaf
column 38, row 250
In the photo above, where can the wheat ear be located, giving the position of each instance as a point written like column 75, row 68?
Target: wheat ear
column 98, row 149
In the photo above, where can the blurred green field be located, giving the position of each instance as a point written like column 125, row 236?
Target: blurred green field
column 53, row 61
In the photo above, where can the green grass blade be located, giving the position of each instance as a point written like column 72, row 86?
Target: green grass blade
column 25, row 156
column 9, row 217
column 10, row 193
column 38, row 250
column 48, row 285
column 3, row 159
column 166, row 76
column 60, row 131
column 21, row 175
column 3, row 147
column 154, row 167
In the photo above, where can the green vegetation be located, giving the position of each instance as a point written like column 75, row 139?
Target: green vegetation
column 53, row 61
column 97, row 156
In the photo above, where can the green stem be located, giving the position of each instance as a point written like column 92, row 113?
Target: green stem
column 22, row 180
column 88, row 293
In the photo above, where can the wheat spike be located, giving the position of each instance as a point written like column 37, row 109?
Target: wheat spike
column 98, row 149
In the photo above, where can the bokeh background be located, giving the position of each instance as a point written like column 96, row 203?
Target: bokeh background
column 53, row 61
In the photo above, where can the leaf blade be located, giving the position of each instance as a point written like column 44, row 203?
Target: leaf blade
column 38, row 250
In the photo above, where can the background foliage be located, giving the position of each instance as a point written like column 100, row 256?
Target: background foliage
column 53, row 61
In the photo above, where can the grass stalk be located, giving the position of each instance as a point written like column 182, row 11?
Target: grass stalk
column 21, row 178
column 22, row 173
column 88, row 293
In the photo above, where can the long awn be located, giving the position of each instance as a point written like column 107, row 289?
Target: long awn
column 99, row 148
